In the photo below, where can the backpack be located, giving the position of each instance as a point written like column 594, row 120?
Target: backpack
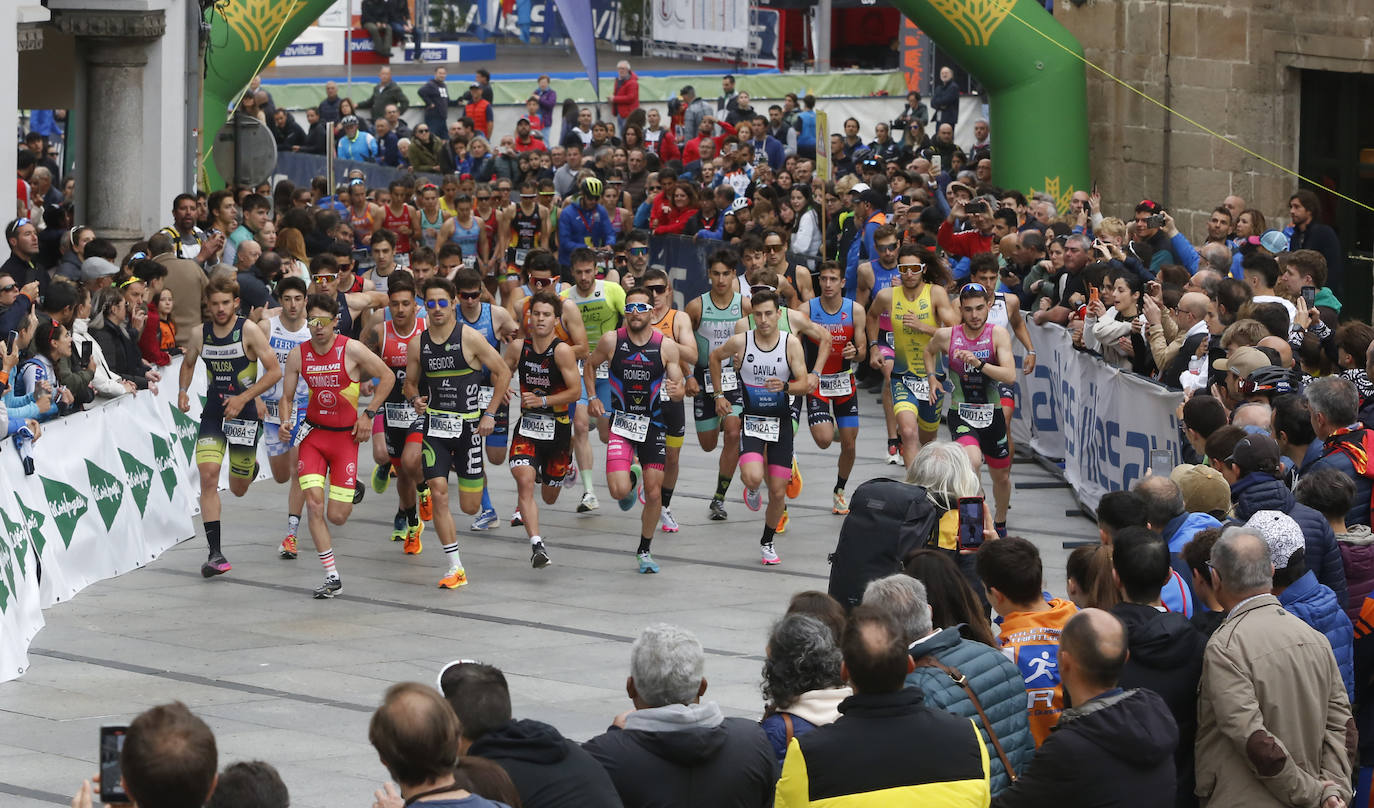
column 888, row 520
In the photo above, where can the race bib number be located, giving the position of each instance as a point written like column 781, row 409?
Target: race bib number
column 835, row 385
column 444, row 425
column 273, row 412
column 470, row 261
column 631, row 426
column 603, row 370
column 918, row 385
column 241, row 432
column 763, row 427
column 977, row 416
column 399, row 415
column 484, row 396
column 729, row 382
column 537, row 426
column 890, row 342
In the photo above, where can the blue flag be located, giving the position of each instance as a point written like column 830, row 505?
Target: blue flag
column 577, row 19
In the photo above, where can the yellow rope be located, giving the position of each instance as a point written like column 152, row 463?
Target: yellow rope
column 1180, row 115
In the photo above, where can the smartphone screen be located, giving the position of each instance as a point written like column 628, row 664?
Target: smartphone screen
column 111, row 743
column 971, row 522
column 12, row 338
column 1161, row 462
column 1309, row 296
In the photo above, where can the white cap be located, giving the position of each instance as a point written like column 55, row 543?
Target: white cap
column 859, row 187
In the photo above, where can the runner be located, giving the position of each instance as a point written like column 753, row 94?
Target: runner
column 636, row 257
column 442, row 382
column 678, row 327
column 497, row 326
column 844, row 319
column 362, row 214
column 798, row 277
column 900, row 323
column 771, row 369
column 521, row 226
column 396, row 217
column 332, row 365
column 1006, row 312
column 873, row 277
column 541, row 450
column 353, row 306
column 427, row 219
column 600, row 304
column 284, row 332
column 231, row 421
column 645, row 379
column 713, row 317
column 396, row 437
column 979, row 360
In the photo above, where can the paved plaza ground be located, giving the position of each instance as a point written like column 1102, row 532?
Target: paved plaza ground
column 292, row 680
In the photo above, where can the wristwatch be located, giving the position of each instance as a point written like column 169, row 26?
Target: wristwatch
column 370, row 413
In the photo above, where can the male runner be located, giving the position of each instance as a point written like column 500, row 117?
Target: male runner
column 713, row 317
column 636, row 257
column 600, row 305
column 844, row 319
column 913, row 311
column 541, row 450
column 771, row 370
column 442, row 381
column 231, row 347
column 497, row 327
column 284, row 332
column 979, row 360
column 678, row 327
column 1006, row 312
column 645, row 379
column 798, row 277
column 521, row 226
column 395, row 217
column 395, row 428
column 353, row 306
column 873, row 277
column 332, row 366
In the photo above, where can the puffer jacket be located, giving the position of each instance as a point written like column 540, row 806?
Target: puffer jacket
column 1316, row 606
column 1359, row 509
column 1258, row 491
column 1357, row 554
column 1001, row 691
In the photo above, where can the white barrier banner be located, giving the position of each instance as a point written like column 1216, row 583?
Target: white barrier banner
column 1101, row 421
column 714, row 23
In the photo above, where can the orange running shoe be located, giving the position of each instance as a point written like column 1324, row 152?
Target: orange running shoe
column 456, row 577
column 782, row 523
column 426, row 503
column 794, row 485
column 413, row 545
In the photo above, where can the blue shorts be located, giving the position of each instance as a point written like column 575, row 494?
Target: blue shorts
column 274, row 445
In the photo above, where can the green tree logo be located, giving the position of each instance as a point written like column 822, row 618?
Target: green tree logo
column 33, row 523
column 166, row 466
column 67, row 506
column 108, row 491
column 140, row 480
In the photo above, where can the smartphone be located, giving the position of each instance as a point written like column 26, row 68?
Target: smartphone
column 1157, row 220
column 86, row 353
column 975, row 206
column 1309, row 295
column 1093, row 295
column 971, row 524
column 111, row 743
column 1094, row 192
column 1161, row 462
column 14, row 337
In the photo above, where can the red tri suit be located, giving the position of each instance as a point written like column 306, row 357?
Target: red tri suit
column 328, row 446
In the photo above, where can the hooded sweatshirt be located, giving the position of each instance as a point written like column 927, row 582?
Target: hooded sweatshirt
column 1357, row 556
column 548, row 770
column 814, row 708
column 1031, row 640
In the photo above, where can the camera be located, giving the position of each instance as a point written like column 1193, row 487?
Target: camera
column 1155, row 220
column 975, row 206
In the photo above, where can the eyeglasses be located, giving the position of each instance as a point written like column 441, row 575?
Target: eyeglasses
column 320, row 322
column 761, row 287
column 973, row 287
column 655, row 289
column 356, row 181
column 421, row 131
column 540, row 282
column 11, row 287
column 470, row 295
column 638, row 251
column 325, row 277
column 529, row 196
column 638, row 307
column 652, row 188
column 886, row 246
column 138, row 256
column 437, row 304
column 911, row 268
column 483, row 197
column 774, row 248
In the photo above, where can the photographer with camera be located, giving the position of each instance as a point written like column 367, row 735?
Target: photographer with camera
column 1150, row 221
column 976, row 238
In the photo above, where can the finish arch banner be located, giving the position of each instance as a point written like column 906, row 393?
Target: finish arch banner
column 704, row 23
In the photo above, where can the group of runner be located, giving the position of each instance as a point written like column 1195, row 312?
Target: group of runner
column 442, row 356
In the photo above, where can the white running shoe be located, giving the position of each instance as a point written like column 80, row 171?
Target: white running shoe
column 770, row 555
column 667, row 522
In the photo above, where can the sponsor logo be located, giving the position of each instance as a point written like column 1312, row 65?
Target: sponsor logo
column 140, row 479
column 299, row 49
column 67, row 506
column 108, row 492
column 164, row 463
column 185, row 428
column 33, row 523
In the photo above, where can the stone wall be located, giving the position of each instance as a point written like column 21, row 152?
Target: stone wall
column 1233, row 66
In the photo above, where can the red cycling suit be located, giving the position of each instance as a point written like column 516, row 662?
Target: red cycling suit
column 328, row 446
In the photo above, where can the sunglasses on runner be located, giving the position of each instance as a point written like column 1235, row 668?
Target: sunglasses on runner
column 437, row 304
column 886, row 247
column 638, row 307
column 638, row 251
column 656, row 289
column 321, row 322
column 973, row 287
column 911, row 267
column 761, row 287
column 540, row 282
column 325, row 277
column 775, row 248
column 470, row 295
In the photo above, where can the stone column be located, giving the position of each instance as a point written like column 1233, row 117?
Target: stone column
column 115, row 48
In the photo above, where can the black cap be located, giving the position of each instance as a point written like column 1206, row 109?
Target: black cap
column 1257, row 452
column 875, row 198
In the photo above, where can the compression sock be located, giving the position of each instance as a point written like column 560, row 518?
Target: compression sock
column 451, row 553
column 412, row 516
column 293, row 523
column 723, row 485
column 667, row 497
column 486, row 497
column 586, row 476
column 212, row 536
column 327, row 560
column 644, row 544
column 768, row 532
column 840, row 484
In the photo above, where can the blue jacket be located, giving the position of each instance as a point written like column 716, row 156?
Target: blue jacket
column 1177, row 595
column 576, row 226
column 362, row 148
column 776, row 730
column 1316, row 606
column 860, row 250
column 1359, row 509
column 771, row 149
column 1000, row 689
column 1262, row 492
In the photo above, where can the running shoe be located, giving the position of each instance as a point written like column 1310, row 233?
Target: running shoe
column 399, row 528
column 894, row 454
column 456, row 577
column 628, row 501
column 770, row 555
column 667, row 522
column 838, row 503
column 486, row 520
column 639, row 493
column 358, row 491
column 288, row 548
column 539, row 555
column 216, row 564
column 782, row 522
column 515, row 520
column 381, row 478
column 426, row 503
column 718, row 510
column 794, row 485
column 588, row 503
column 328, row 589
column 413, row 546
column 647, row 565
column 570, row 476
column 1001, row 528
column 753, row 500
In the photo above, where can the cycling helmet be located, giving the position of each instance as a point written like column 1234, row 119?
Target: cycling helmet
column 592, row 188
column 740, row 203
column 1270, row 379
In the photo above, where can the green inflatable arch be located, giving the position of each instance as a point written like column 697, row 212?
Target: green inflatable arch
column 1037, row 89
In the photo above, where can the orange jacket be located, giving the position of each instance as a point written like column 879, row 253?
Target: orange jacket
column 1031, row 640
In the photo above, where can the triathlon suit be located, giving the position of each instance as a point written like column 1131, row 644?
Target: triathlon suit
column 883, row 278
column 446, row 208
column 601, row 314
column 766, row 434
column 543, row 435
column 345, row 325
column 674, row 412
column 910, row 378
column 429, row 231
column 524, row 236
column 717, row 326
column 998, row 315
column 637, row 411
column 229, row 372
column 489, row 224
column 837, row 376
column 452, row 411
column 281, row 342
column 785, row 327
column 559, row 330
column 467, row 238
column 394, row 222
column 487, row 329
column 361, row 224
column 327, row 447
column 396, row 419
column 975, row 417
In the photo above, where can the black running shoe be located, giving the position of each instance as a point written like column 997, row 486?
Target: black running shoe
column 717, row 510
column 539, row 555
column 328, row 589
